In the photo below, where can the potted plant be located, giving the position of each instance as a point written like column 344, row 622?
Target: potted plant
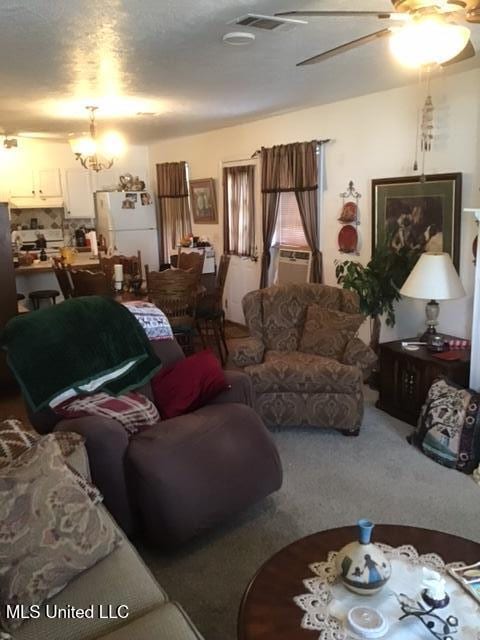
column 378, row 284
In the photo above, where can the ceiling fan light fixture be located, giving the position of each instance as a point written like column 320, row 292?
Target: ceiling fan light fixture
column 427, row 41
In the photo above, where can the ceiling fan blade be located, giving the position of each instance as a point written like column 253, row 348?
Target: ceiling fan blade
column 353, row 44
column 468, row 52
column 337, row 14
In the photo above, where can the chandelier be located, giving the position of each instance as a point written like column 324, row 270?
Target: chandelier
column 95, row 153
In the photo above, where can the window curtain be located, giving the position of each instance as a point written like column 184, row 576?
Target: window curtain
column 175, row 219
column 291, row 167
column 239, row 210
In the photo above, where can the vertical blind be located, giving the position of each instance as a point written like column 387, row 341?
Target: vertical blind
column 239, row 208
column 289, row 224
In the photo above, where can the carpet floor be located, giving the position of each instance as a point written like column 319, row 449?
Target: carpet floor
column 329, row 481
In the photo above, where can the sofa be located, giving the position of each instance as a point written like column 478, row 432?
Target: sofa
column 184, row 475
column 119, row 579
column 295, row 386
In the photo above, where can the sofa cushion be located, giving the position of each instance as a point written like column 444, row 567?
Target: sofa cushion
column 120, row 578
column 167, row 622
column 133, row 410
column 327, row 332
column 303, row 372
column 50, row 531
column 285, row 308
column 188, row 384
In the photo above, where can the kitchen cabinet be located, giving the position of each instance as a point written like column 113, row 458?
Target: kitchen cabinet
column 41, row 183
column 79, row 194
column 48, row 183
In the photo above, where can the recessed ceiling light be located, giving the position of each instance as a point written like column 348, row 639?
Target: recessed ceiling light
column 238, row 38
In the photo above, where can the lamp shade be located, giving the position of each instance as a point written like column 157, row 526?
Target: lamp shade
column 428, row 40
column 433, row 278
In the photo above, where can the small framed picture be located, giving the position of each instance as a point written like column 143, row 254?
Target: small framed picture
column 203, row 201
column 130, row 201
column 145, row 198
column 469, row 578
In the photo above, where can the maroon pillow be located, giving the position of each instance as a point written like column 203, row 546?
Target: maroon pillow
column 188, row 384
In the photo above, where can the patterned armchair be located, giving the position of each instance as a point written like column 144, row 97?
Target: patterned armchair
column 294, row 385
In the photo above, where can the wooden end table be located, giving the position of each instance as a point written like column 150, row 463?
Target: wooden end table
column 406, row 376
column 268, row 611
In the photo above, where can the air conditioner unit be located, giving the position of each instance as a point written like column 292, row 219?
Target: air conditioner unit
column 293, row 265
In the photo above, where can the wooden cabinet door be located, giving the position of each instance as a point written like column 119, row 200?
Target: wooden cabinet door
column 49, row 184
column 79, row 194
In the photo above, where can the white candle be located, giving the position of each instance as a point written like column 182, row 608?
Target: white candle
column 92, row 236
column 118, row 269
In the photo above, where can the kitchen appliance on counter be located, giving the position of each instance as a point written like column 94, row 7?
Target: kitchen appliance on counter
column 27, row 240
column 128, row 225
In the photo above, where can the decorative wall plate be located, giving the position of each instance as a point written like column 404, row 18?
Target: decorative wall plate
column 349, row 212
column 348, row 239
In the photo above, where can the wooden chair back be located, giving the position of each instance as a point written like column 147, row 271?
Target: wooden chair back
column 222, row 275
column 191, row 261
column 132, row 265
column 90, row 283
column 63, row 278
column 174, row 292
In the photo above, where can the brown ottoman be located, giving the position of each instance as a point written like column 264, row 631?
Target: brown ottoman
column 192, row 472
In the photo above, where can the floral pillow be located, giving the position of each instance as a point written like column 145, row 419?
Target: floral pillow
column 16, row 438
column 50, row 530
column 327, row 332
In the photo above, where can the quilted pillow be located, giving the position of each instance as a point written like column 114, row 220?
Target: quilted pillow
column 152, row 319
column 188, row 384
column 50, row 531
column 448, row 428
column 16, row 438
column 133, row 410
column 327, row 332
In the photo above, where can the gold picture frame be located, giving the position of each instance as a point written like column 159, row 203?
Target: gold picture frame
column 203, row 201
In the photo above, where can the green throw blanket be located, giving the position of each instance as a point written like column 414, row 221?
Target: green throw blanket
column 74, row 347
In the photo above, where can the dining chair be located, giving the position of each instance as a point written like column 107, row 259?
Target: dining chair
column 210, row 314
column 90, row 283
column 191, row 261
column 63, row 278
column 132, row 265
column 175, row 292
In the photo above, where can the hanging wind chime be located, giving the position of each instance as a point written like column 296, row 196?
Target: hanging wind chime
column 424, row 137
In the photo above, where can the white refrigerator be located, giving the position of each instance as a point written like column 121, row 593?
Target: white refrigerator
column 127, row 220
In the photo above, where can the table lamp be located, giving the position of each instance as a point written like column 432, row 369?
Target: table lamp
column 433, row 278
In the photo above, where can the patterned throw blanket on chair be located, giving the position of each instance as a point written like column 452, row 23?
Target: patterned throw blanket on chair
column 77, row 347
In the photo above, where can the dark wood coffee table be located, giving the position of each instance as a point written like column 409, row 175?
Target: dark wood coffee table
column 268, row 612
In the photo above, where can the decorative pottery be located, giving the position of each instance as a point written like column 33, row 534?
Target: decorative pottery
column 362, row 566
column 349, row 212
column 347, row 239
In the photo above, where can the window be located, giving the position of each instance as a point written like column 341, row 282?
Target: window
column 289, row 224
column 239, row 210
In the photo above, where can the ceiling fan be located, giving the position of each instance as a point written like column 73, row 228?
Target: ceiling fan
column 424, row 32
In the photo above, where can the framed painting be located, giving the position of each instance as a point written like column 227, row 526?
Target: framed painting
column 203, row 201
column 419, row 214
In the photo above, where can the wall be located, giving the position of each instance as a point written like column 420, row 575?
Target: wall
column 373, row 136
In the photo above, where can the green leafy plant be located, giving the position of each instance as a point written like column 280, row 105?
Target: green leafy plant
column 378, row 284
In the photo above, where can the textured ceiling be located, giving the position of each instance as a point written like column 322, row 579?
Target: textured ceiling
column 166, row 57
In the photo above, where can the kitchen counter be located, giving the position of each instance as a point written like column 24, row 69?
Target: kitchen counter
column 82, row 261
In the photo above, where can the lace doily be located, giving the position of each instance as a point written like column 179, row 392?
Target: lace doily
column 327, row 601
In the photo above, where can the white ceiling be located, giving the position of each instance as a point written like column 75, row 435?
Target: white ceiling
column 167, row 57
